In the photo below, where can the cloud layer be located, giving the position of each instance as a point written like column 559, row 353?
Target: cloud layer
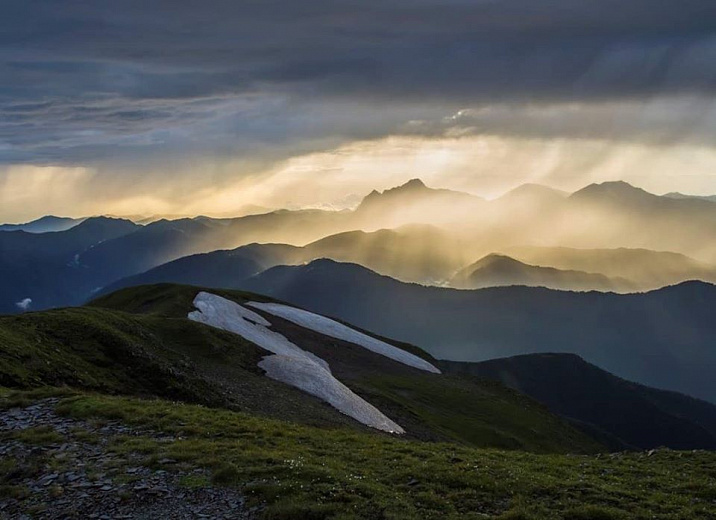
column 152, row 85
column 82, row 80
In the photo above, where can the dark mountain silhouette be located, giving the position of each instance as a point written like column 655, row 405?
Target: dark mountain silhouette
column 415, row 253
column 148, row 247
column 615, row 191
column 499, row 270
column 224, row 269
column 167, row 240
column 663, row 338
column 46, row 224
column 636, row 414
column 410, row 192
column 44, row 267
column 644, row 268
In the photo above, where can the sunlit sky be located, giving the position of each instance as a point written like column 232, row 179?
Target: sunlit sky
column 185, row 107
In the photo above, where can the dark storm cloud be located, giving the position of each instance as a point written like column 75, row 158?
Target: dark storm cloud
column 79, row 78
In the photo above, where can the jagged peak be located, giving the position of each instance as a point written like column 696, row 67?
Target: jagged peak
column 412, row 185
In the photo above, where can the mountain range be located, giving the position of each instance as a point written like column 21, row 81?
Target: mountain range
column 534, row 225
column 505, row 305
column 42, row 270
column 47, row 224
column 677, row 195
column 642, row 269
column 497, row 270
column 662, row 338
column 429, row 351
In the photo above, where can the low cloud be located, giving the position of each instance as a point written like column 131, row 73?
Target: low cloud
column 24, row 305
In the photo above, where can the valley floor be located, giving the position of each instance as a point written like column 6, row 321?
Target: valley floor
column 71, row 455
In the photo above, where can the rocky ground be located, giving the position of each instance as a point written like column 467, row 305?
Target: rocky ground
column 59, row 467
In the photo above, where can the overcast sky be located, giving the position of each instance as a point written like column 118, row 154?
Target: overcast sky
column 204, row 106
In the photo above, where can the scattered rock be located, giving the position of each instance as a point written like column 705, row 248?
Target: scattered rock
column 79, row 479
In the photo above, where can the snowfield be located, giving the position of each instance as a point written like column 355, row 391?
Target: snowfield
column 304, row 374
column 290, row 364
column 224, row 314
column 332, row 328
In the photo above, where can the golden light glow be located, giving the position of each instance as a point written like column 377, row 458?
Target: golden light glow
column 484, row 165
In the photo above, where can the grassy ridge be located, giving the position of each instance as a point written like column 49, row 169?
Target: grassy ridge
column 164, row 299
column 154, row 351
column 304, row 472
column 176, row 301
column 120, row 353
column 475, row 413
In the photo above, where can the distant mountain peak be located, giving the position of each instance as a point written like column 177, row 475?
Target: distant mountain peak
column 496, row 258
column 415, row 190
column 414, row 183
column 534, row 189
column 47, row 223
column 614, row 189
column 613, row 186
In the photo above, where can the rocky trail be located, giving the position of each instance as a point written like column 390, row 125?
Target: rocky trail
column 58, row 467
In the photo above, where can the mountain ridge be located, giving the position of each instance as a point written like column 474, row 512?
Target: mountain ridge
column 570, row 386
column 660, row 338
column 497, row 270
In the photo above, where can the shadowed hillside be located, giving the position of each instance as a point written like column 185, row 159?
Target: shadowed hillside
column 663, row 338
column 43, row 267
column 636, row 414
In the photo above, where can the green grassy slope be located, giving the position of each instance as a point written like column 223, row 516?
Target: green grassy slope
column 429, row 406
column 473, row 412
column 120, row 353
column 302, row 472
column 153, row 350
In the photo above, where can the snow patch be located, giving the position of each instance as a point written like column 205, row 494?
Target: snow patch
column 332, row 328
column 290, row 364
column 307, row 376
column 224, row 314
